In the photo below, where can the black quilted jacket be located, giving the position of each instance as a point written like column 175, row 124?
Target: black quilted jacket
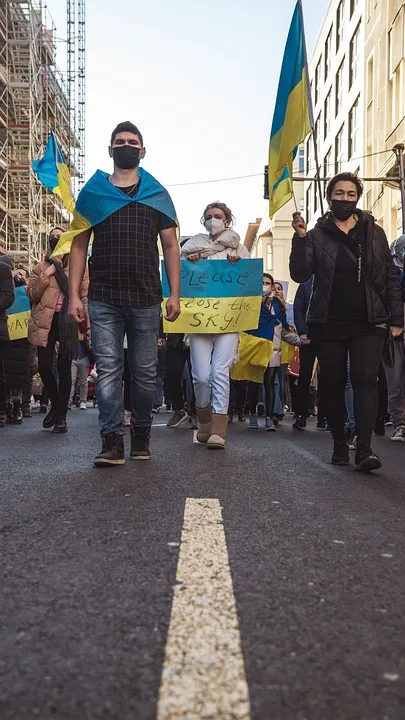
column 316, row 255
column 6, row 298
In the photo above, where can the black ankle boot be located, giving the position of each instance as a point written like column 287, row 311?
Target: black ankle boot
column 9, row 414
column 140, row 443
column 60, row 423
column 49, row 419
column 112, row 451
column 366, row 460
column 17, row 412
column 340, row 454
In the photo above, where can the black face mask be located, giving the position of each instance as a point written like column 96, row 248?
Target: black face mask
column 343, row 209
column 126, row 157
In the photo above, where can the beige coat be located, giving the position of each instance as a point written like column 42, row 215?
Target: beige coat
column 43, row 292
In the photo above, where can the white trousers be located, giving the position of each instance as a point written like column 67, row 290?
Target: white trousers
column 211, row 359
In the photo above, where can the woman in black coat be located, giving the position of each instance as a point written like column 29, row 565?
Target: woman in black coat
column 356, row 301
column 16, row 366
column 6, row 300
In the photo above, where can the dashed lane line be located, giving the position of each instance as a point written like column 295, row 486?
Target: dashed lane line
column 203, row 674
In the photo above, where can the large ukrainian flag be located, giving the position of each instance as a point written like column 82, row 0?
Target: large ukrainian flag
column 53, row 172
column 291, row 121
column 99, row 198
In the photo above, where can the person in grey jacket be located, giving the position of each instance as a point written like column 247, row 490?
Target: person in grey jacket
column 6, row 300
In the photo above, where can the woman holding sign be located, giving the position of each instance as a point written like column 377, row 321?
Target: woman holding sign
column 212, row 355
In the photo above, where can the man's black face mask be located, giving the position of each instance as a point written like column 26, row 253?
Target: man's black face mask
column 126, row 157
column 343, row 209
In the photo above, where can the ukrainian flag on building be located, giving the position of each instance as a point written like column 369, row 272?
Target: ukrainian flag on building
column 291, row 121
column 53, row 173
column 99, row 198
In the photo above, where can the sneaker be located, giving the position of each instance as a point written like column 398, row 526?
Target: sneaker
column 252, row 422
column 379, row 427
column 140, row 443
column 26, row 411
column 112, row 451
column 399, row 434
column 276, row 420
column 321, row 425
column 178, row 418
column 300, row 423
column 49, row 419
column 83, row 406
column 350, row 438
column 366, row 460
column 340, row 454
column 60, row 424
column 193, row 422
column 270, row 426
column 155, row 408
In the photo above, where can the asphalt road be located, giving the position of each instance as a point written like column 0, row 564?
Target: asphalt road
column 89, row 559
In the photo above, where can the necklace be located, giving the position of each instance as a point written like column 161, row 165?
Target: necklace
column 126, row 190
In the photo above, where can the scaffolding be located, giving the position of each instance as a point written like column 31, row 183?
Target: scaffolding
column 34, row 99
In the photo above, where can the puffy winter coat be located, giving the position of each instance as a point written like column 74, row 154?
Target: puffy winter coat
column 44, row 291
column 316, row 254
column 6, row 298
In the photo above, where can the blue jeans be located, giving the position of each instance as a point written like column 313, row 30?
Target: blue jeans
column 109, row 323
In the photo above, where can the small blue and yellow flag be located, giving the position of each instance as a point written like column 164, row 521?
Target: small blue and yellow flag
column 291, row 121
column 99, row 198
column 18, row 315
column 53, row 173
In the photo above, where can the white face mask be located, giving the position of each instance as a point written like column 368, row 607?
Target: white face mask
column 214, row 226
column 266, row 289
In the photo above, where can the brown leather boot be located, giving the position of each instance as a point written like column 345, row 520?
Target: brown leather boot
column 219, row 423
column 204, row 423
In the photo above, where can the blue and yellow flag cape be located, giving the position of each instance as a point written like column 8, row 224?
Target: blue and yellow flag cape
column 99, row 198
column 256, row 346
column 53, row 172
column 18, row 315
column 291, row 121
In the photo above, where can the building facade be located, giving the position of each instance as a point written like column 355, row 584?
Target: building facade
column 385, row 108
column 336, row 71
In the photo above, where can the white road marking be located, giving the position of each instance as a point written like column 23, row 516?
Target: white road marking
column 203, row 674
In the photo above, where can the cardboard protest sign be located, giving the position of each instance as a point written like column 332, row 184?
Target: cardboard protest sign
column 217, row 297
column 18, row 315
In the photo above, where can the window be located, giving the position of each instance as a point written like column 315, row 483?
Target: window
column 369, row 89
column 339, row 89
column 328, row 54
column 327, row 115
column 327, row 166
column 317, row 79
column 354, row 130
column 354, row 57
column 308, row 204
column 318, row 132
column 339, row 150
column 353, row 5
column 269, row 256
column 301, row 162
column 396, row 77
column 340, row 24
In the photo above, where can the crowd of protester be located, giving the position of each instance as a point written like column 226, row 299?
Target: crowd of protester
column 99, row 338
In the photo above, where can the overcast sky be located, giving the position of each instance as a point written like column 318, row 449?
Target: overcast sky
column 199, row 79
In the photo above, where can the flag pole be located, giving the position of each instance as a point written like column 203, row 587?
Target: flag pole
column 311, row 110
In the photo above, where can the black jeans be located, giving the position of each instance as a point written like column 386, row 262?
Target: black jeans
column 254, row 388
column 59, row 396
column 237, row 396
column 176, row 358
column 365, row 357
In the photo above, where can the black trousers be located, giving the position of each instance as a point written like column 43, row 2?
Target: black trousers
column 237, row 395
column 59, row 395
column 254, row 389
column 365, row 358
column 176, row 358
column 3, row 389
